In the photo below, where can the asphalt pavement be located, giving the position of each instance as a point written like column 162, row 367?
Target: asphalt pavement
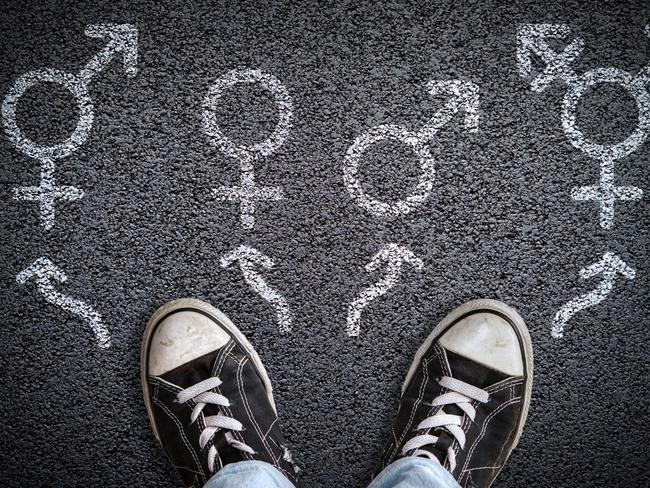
column 489, row 201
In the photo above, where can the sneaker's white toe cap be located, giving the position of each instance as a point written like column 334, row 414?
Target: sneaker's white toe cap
column 487, row 339
column 182, row 337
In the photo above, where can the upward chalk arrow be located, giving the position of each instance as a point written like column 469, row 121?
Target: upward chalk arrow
column 250, row 260
column 610, row 266
column 393, row 257
column 45, row 273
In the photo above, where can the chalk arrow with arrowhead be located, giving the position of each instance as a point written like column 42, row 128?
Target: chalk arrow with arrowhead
column 610, row 266
column 44, row 273
column 250, row 260
column 393, row 257
column 463, row 95
column 531, row 41
column 122, row 38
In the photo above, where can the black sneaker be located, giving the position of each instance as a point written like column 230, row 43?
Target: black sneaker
column 208, row 396
column 466, row 395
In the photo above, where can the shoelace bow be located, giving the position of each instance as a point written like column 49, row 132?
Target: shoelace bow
column 459, row 394
column 200, row 393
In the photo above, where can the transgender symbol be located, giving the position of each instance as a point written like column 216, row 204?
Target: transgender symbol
column 532, row 41
column 123, row 38
column 248, row 194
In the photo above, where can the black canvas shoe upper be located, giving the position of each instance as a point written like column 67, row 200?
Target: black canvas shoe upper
column 237, row 398
column 446, row 389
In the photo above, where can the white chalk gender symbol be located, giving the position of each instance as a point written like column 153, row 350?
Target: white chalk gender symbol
column 122, row 39
column 248, row 194
column 463, row 95
column 532, row 41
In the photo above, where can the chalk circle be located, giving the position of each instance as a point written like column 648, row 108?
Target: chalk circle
column 634, row 86
column 282, row 100
column 425, row 180
column 78, row 90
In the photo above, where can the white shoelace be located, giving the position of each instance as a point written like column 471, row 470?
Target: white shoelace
column 202, row 396
column 460, row 394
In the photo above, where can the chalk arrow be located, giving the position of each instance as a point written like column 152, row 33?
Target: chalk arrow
column 122, row 38
column 463, row 95
column 531, row 41
column 250, row 260
column 44, row 273
column 392, row 257
column 610, row 266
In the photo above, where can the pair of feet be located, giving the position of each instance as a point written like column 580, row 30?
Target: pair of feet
column 463, row 403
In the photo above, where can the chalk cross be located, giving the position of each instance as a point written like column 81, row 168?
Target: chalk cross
column 248, row 194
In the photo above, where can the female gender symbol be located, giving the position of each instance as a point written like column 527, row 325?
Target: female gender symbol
column 248, row 193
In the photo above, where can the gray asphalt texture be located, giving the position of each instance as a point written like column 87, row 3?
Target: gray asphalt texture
column 500, row 223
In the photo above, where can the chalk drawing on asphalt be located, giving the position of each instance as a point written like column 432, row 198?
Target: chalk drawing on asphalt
column 248, row 194
column 610, row 267
column 122, row 39
column 45, row 274
column 392, row 257
column 532, row 42
column 250, row 260
column 463, row 95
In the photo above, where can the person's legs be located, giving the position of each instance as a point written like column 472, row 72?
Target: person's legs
column 414, row 472
column 249, row 474
column 210, row 402
column 464, row 401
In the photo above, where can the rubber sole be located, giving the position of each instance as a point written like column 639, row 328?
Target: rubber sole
column 191, row 304
column 514, row 319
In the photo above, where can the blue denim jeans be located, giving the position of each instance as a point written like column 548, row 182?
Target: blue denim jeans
column 409, row 472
